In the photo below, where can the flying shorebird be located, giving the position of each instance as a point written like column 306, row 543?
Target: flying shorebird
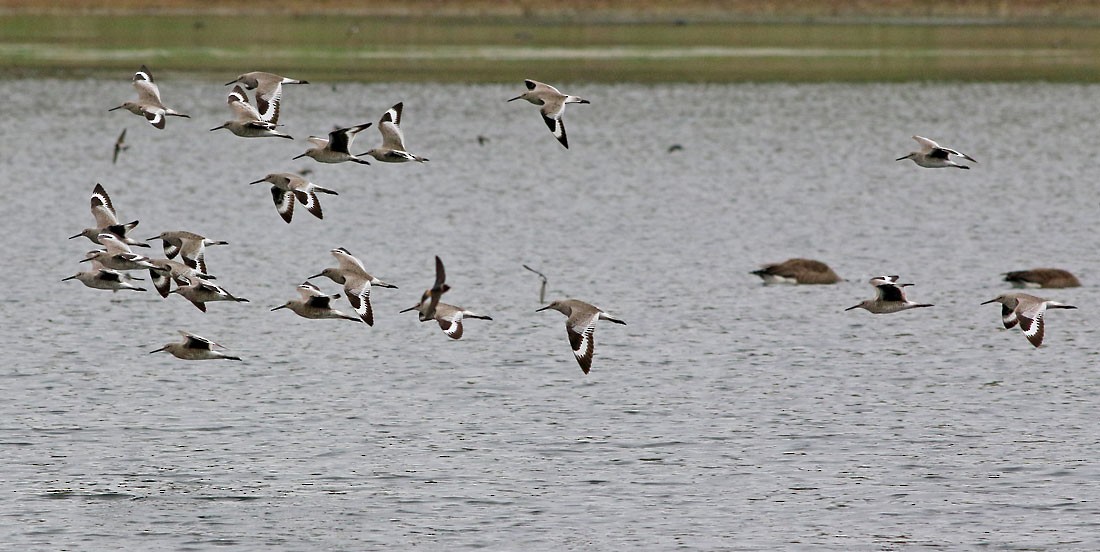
column 392, row 149
column 580, row 326
column 450, row 317
column 190, row 246
column 120, row 145
column 118, row 261
column 935, row 156
column 269, row 91
column 356, row 280
column 195, row 347
column 334, row 149
column 117, row 256
column 165, row 271
column 890, row 297
column 148, row 102
column 200, row 292
column 552, row 105
column 429, row 300
column 285, row 187
column 104, row 278
column 247, row 121
column 797, row 271
column 106, row 220
column 1042, row 278
column 315, row 304
column 1027, row 311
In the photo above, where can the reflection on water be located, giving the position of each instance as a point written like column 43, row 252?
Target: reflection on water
column 724, row 415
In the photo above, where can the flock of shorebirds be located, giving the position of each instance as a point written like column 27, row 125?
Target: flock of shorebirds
column 259, row 118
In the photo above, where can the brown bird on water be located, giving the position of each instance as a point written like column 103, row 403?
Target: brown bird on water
column 798, row 271
column 1042, row 278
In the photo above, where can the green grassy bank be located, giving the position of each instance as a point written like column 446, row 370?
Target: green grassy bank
column 497, row 49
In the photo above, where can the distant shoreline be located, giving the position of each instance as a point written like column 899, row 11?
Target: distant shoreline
column 328, row 43
column 984, row 12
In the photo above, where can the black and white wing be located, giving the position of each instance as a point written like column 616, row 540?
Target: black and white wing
column 582, row 340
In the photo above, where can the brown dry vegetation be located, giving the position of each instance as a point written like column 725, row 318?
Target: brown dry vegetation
column 1079, row 11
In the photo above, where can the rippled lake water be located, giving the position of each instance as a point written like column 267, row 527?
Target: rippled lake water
column 725, row 415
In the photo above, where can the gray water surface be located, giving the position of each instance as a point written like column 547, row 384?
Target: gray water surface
column 725, row 415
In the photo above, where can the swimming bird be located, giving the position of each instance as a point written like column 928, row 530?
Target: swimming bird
column 1027, row 311
column 935, row 156
column 269, row 90
column 106, row 220
column 103, row 278
column 392, row 149
column 200, row 292
column 449, row 317
column 247, row 121
column 190, row 246
column 580, row 326
column 195, row 347
column 356, row 280
column 315, row 304
column 1042, row 278
column 552, row 105
column 120, row 146
column 148, row 104
column 542, row 288
column 429, row 300
column 334, row 149
column 890, row 297
column 164, row 271
column 797, row 271
column 285, row 187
